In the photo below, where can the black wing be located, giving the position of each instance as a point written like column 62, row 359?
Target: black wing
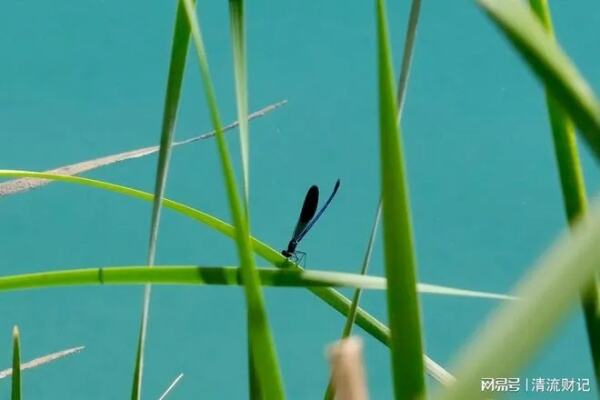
column 297, row 238
column 308, row 210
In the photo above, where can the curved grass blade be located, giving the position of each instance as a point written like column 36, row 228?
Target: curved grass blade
column 573, row 190
column 195, row 275
column 332, row 297
column 179, row 49
column 546, row 294
column 264, row 355
column 171, row 387
column 21, row 185
column 42, row 360
column 15, row 393
column 551, row 65
column 400, row 263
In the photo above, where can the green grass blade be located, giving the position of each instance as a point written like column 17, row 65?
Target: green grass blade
column 546, row 294
column 573, row 190
column 330, row 296
column 409, row 44
column 435, row 370
column 195, row 275
column 411, row 31
column 185, row 275
column 376, row 329
column 549, row 62
column 363, row 271
column 179, row 48
column 350, row 319
column 264, row 354
column 25, row 184
column 238, row 37
column 15, row 393
column 400, row 264
column 48, row 358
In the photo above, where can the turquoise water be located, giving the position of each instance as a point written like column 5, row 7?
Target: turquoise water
column 83, row 80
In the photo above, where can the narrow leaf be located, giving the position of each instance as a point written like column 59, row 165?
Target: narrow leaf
column 238, row 38
column 179, row 49
column 194, row 275
column 264, row 355
column 409, row 44
column 400, row 264
column 409, row 40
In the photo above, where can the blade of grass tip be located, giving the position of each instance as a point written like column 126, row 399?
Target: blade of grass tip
column 171, row 387
column 448, row 291
column 411, row 32
column 42, row 360
column 329, row 392
column 407, row 56
column 24, row 184
column 559, row 75
column 435, row 370
column 330, row 296
column 573, row 190
column 179, row 49
column 15, row 393
column 409, row 42
column 400, row 264
column 238, row 38
column 546, row 293
column 264, row 354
